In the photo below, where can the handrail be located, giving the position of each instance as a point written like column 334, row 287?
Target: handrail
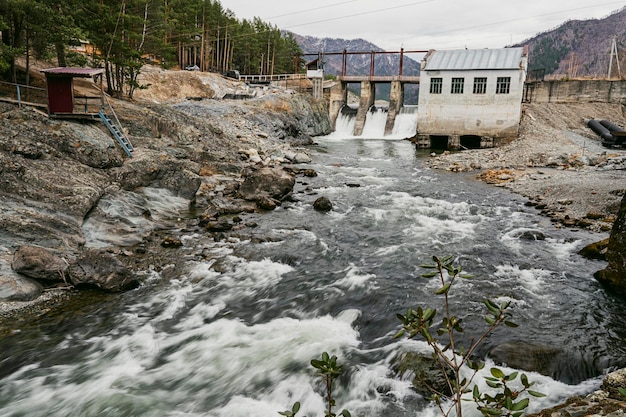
column 117, row 121
column 273, row 77
column 18, row 93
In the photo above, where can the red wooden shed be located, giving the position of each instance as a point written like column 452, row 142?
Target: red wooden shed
column 60, row 87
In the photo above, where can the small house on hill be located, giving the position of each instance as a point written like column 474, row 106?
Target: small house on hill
column 60, row 87
column 469, row 97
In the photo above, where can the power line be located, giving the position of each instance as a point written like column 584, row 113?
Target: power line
column 424, row 2
column 361, row 14
column 520, row 18
column 311, row 10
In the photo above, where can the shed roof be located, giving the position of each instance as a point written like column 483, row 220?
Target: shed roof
column 74, row 72
column 474, row 59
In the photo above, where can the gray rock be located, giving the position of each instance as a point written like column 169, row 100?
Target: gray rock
column 323, row 204
column 301, row 158
column 614, row 275
column 14, row 287
column 527, row 356
column 266, row 203
column 39, row 263
column 221, row 225
column 103, row 270
column 266, row 182
column 424, row 370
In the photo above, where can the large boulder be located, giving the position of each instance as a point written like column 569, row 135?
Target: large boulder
column 614, row 275
column 275, row 183
column 424, row 370
column 159, row 170
column 39, row 263
column 103, row 270
column 527, row 356
column 14, row 287
column 323, row 204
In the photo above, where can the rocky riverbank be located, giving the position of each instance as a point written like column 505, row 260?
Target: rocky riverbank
column 240, row 153
column 557, row 162
column 560, row 165
column 201, row 148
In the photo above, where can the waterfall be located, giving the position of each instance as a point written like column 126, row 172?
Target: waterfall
column 405, row 125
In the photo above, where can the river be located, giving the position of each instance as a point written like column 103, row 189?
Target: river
column 232, row 334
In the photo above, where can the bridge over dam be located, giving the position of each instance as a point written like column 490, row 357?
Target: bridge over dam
column 466, row 98
column 339, row 92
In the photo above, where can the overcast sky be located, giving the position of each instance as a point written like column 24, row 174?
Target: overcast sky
column 425, row 24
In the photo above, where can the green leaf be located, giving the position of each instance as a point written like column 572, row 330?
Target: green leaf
column 511, row 377
column 497, row 373
column 466, row 276
column 490, row 411
column 490, row 320
column 508, row 403
column 524, row 380
column 345, row 413
column 510, row 324
column 444, row 289
column 429, row 274
column 296, row 407
column 536, row 393
column 399, row 334
column 317, row 363
column 476, row 393
column 494, row 384
column 518, row 406
column 429, row 314
column 492, row 306
column 428, row 266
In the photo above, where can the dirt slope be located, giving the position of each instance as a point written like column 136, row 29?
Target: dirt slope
column 557, row 162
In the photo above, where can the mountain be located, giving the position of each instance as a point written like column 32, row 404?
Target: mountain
column 579, row 48
column 384, row 64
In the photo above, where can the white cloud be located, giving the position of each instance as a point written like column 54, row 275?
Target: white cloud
column 425, row 24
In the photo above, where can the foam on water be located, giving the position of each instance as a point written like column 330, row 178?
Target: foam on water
column 530, row 282
column 230, row 330
column 354, row 279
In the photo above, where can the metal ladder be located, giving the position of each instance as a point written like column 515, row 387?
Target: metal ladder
column 114, row 126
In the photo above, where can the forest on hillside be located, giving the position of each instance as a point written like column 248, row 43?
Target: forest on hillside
column 122, row 35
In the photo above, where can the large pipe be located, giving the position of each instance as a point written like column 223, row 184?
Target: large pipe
column 602, row 131
column 612, row 126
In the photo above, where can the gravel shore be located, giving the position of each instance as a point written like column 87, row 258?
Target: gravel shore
column 556, row 162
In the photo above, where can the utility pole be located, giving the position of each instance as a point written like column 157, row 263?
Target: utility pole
column 614, row 53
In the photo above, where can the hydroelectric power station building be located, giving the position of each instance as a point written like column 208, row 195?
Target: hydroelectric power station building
column 470, row 97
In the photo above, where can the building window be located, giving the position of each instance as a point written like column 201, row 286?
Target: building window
column 435, row 85
column 503, row 86
column 480, row 85
column 457, row 85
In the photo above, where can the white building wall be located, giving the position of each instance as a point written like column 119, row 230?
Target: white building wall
column 489, row 114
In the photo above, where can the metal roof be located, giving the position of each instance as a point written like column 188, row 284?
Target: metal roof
column 474, row 59
column 74, row 72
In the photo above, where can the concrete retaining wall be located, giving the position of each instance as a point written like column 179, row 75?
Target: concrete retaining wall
column 576, row 91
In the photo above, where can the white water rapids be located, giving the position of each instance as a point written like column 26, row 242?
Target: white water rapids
column 233, row 333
